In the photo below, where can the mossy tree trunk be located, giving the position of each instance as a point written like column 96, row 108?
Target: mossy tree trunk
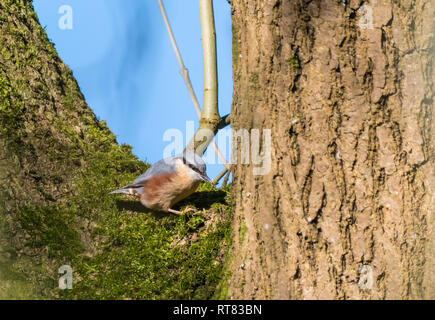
column 47, row 136
column 347, row 89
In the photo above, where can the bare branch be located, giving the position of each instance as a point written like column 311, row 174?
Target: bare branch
column 216, row 180
column 185, row 74
column 208, row 37
column 227, row 176
column 210, row 119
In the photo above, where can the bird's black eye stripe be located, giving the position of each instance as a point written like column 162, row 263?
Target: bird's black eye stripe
column 191, row 166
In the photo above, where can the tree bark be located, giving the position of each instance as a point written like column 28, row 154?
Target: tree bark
column 346, row 211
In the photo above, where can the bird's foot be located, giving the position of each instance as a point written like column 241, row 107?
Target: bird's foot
column 188, row 209
column 184, row 211
column 174, row 211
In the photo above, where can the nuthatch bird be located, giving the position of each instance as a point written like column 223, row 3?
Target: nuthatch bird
column 168, row 181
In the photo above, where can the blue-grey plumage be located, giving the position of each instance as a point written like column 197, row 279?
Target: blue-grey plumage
column 168, row 181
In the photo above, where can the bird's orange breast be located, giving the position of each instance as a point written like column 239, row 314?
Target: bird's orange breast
column 163, row 191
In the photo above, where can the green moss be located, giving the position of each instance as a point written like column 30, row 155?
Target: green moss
column 221, row 292
column 141, row 254
column 52, row 228
column 294, row 63
column 14, row 285
column 145, row 255
column 242, row 231
column 253, row 78
column 148, row 255
column 11, row 112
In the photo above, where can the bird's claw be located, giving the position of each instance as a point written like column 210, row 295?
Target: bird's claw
column 174, row 211
column 188, row 209
column 184, row 211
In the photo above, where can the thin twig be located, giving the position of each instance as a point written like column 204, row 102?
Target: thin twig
column 216, row 180
column 225, row 121
column 224, row 183
column 185, row 74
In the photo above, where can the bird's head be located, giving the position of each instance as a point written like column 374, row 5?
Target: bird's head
column 196, row 166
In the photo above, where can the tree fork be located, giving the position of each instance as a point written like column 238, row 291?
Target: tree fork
column 210, row 75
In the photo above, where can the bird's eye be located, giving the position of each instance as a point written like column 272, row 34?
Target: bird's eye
column 191, row 166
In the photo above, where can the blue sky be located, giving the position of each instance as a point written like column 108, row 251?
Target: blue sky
column 121, row 56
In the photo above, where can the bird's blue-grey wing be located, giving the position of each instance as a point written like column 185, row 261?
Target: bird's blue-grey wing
column 161, row 167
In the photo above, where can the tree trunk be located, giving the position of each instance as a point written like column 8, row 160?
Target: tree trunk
column 347, row 89
column 47, row 136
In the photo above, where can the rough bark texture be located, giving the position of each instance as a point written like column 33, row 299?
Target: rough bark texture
column 351, row 184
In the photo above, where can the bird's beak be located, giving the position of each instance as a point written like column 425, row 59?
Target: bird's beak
column 205, row 178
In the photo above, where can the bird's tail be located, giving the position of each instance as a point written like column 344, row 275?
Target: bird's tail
column 128, row 190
